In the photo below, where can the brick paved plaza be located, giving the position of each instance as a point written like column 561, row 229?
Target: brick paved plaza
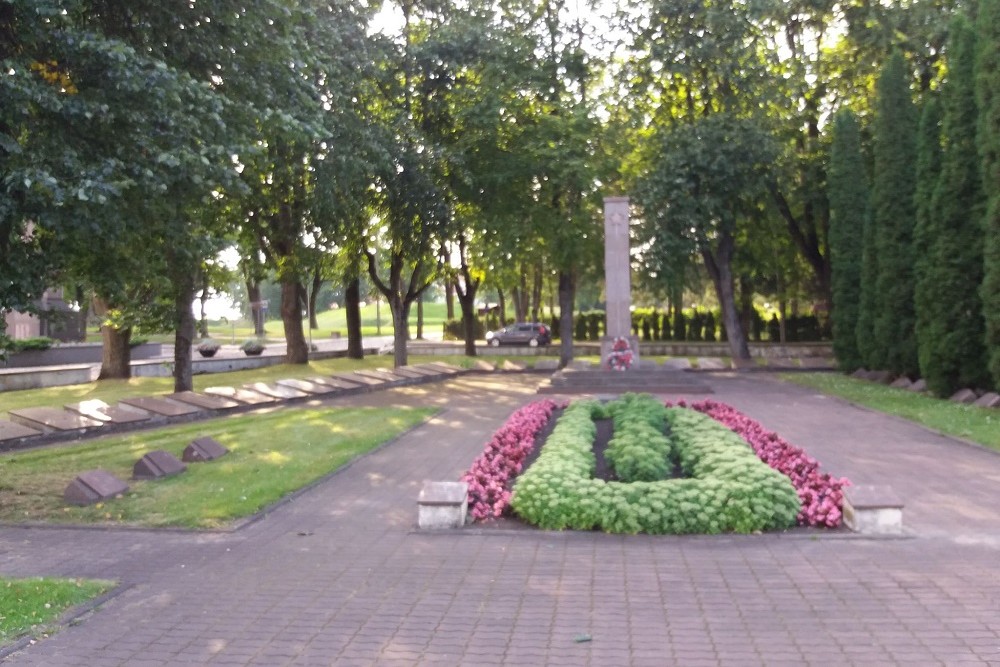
column 340, row 576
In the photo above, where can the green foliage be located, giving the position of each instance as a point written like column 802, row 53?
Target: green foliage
column 28, row 344
column 848, row 193
column 988, row 98
column 927, row 226
column 730, row 488
column 252, row 346
column 639, row 451
column 952, row 351
column 893, row 211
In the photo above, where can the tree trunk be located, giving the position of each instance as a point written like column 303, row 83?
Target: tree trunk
column 256, row 308
column 449, row 299
column 184, row 332
column 317, row 283
column 400, row 324
column 536, row 294
column 352, row 306
column 203, row 321
column 502, row 306
column 467, row 303
column 84, row 303
column 116, row 353
column 567, row 297
column 720, row 269
column 297, row 351
column 420, row 317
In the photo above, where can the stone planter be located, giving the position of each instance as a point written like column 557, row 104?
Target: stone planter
column 207, row 353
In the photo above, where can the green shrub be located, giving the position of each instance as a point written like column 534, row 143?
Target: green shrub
column 639, row 451
column 455, row 330
column 729, row 488
column 39, row 343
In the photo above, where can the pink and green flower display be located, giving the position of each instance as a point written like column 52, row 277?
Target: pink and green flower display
column 492, row 473
column 822, row 495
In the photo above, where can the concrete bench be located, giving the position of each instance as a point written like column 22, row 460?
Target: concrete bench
column 443, row 505
column 873, row 510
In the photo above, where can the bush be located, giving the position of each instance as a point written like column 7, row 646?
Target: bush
column 39, row 343
column 455, row 330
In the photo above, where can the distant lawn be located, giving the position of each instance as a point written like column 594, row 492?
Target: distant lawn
column 980, row 425
column 273, row 454
column 30, row 606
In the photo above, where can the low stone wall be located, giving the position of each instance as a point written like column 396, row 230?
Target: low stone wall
column 16, row 379
column 78, row 353
column 664, row 348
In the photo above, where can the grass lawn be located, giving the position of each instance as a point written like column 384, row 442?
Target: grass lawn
column 980, row 425
column 272, row 454
column 29, row 606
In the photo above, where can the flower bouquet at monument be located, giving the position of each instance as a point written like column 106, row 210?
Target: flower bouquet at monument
column 620, row 357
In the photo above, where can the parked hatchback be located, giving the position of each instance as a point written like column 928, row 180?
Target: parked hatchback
column 532, row 334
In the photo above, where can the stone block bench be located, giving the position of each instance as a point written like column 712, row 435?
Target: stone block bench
column 443, row 505
column 873, row 510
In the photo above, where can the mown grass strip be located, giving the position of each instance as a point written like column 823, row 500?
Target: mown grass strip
column 272, row 455
column 980, row 425
column 31, row 606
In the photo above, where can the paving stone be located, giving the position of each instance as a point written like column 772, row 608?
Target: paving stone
column 241, row 394
column 275, row 390
column 307, row 386
column 53, row 419
column 161, row 406
column 15, row 431
column 204, row 401
column 101, row 411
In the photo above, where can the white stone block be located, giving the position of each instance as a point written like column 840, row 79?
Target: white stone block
column 443, row 505
column 873, row 510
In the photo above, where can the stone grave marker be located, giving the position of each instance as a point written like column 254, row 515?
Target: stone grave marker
column 988, row 400
column 92, row 487
column 53, row 419
column 901, row 382
column 240, row 394
column 964, row 396
column 119, row 414
column 13, row 431
column 918, row 386
column 307, row 386
column 443, row 504
column 547, row 365
column 203, row 449
column 156, row 464
column 481, row 365
column 677, row 364
column 206, row 401
column 161, row 406
column 275, row 390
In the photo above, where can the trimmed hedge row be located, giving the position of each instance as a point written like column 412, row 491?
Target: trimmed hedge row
column 639, row 451
column 728, row 490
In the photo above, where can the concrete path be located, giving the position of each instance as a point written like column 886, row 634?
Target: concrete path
column 341, row 577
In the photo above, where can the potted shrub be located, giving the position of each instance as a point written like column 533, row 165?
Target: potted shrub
column 208, row 347
column 252, row 348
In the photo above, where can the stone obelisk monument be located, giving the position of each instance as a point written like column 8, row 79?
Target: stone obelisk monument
column 617, row 278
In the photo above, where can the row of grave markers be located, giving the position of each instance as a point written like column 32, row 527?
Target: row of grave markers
column 95, row 486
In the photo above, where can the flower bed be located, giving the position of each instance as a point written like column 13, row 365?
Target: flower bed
column 727, row 488
column 503, row 456
column 821, row 495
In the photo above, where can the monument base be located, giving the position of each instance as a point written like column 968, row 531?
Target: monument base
column 607, row 344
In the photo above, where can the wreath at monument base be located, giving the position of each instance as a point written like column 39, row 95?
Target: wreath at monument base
column 620, row 357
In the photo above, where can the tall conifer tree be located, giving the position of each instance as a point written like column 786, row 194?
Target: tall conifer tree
column 953, row 356
column 848, row 192
column 988, row 97
column 893, row 211
column 927, row 227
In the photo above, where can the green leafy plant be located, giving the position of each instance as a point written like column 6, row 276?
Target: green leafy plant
column 252, row 347
column 728, row 488
column 39, row 343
